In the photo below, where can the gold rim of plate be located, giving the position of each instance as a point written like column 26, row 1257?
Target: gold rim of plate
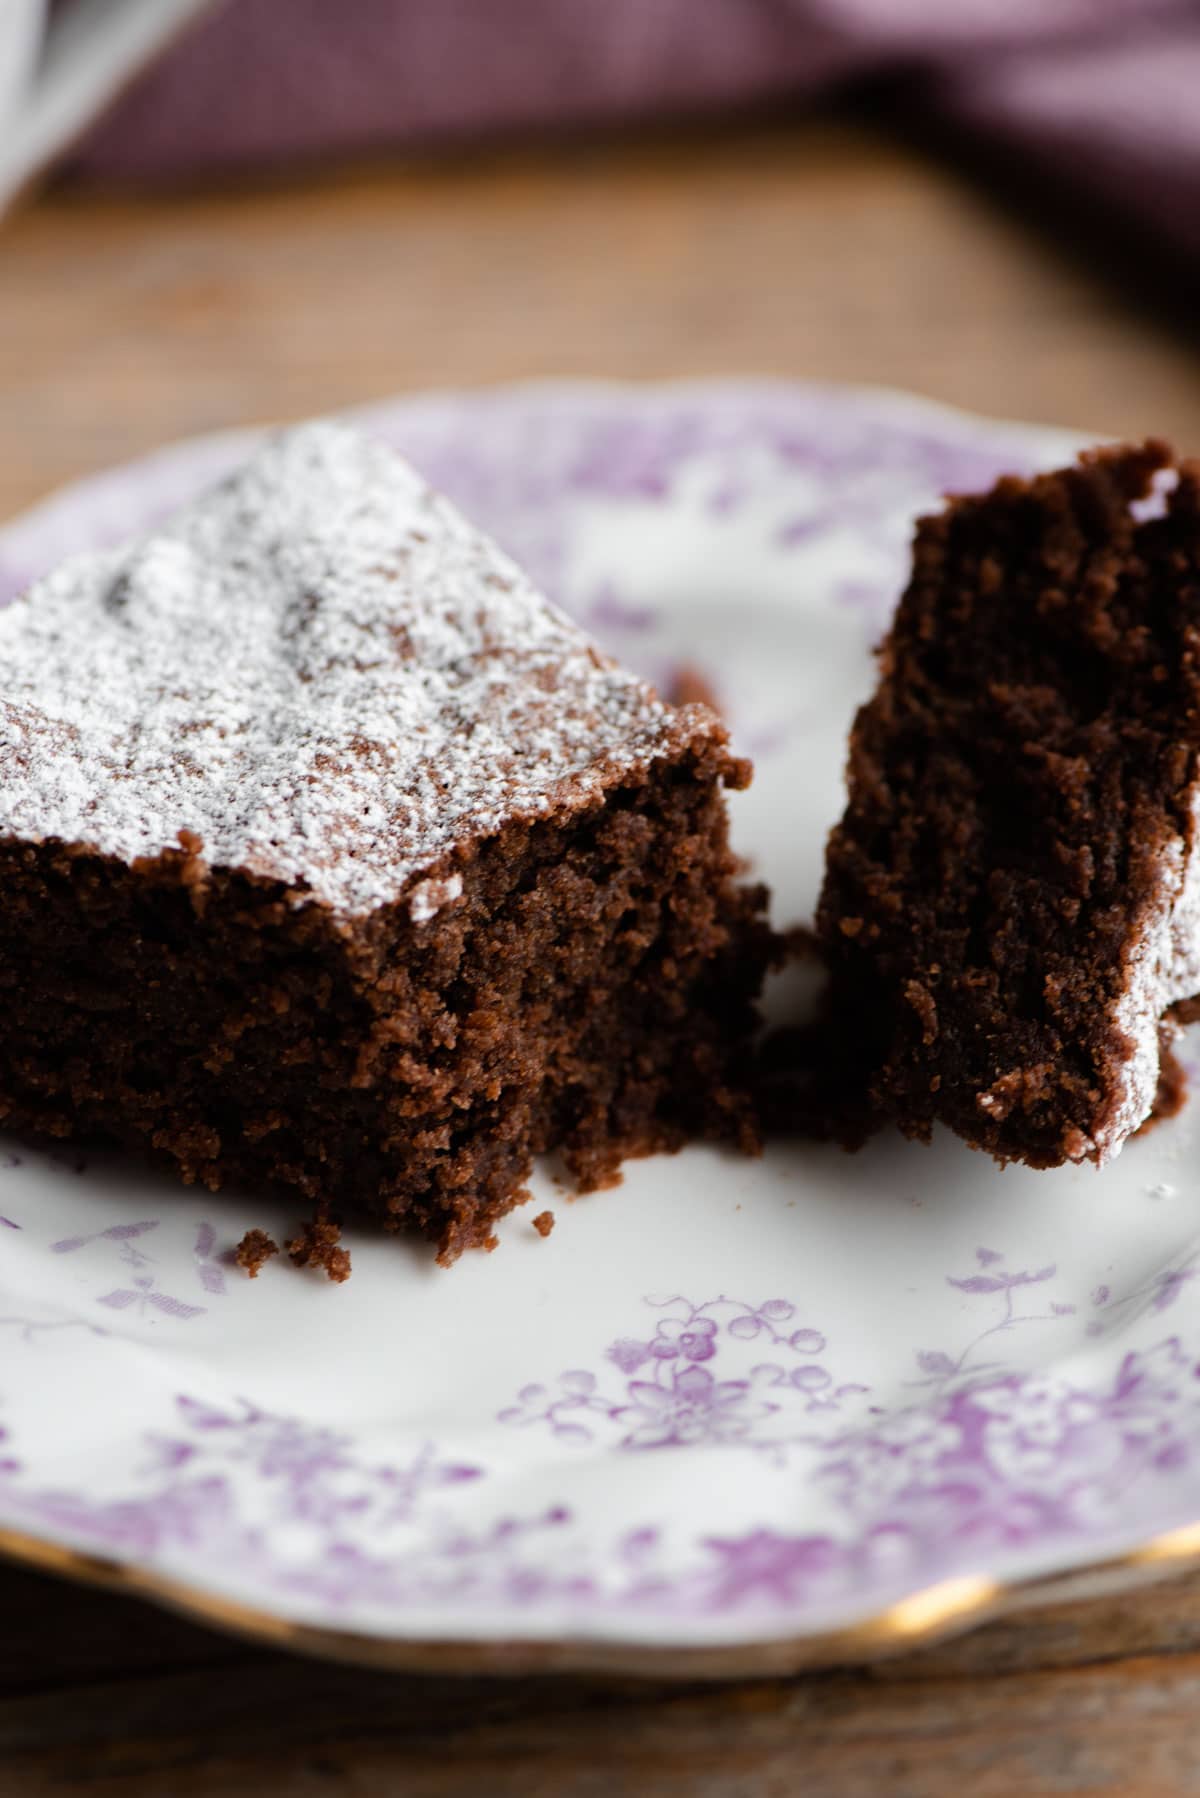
column 929, row 1614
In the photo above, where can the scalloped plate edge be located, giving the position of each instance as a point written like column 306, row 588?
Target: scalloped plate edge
column 927, row 1615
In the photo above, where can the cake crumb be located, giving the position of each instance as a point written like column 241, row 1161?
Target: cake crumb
column 254, row 1251
column 543, row 1223
column 316, row 1245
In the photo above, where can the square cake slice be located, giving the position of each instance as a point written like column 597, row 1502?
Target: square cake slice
column 335, row 859
column 1011, row 907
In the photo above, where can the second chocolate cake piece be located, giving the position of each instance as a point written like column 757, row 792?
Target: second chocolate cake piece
column 1012, row 898
column 334, row 859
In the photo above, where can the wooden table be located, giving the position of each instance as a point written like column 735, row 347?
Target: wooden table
column 819, row 250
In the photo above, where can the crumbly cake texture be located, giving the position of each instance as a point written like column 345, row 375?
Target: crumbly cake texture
column 336, row 860
column 1011, row 906
column 317, row 1245
column 254, row 1251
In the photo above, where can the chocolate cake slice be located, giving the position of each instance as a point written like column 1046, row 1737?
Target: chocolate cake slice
column 334, row 859
column 1011, row 906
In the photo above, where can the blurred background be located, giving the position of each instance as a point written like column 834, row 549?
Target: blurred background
column 257, row 209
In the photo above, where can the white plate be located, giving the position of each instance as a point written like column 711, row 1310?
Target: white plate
column 732, row 1414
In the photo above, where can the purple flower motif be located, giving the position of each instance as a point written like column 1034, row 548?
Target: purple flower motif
column 143, row 1298
column 725, row 499
column 114, row 1233
column 801, row 529
column 763, row 1319
column 200, row 1416
column 1037, row 1423
column 628, row 1354
column 686, row 1341
column 140, row 1295
column 312, row 1474
column 8, row 1223
column 211, row 1277
column 692, row 1408
column 811, row 1379
column 458, row 1474
column 766, row 1565
column 1160, row 1292
column 1000, row 1282
column 162, row 1301
column 777, row 1311
column 694, row 1338
column 1169, row 1285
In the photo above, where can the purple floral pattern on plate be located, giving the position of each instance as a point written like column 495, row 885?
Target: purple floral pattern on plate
column 297, row 1508
column 138, row 1288
column 666, row 1394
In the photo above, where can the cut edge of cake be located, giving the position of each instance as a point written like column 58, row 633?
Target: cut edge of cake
column 1011, row 905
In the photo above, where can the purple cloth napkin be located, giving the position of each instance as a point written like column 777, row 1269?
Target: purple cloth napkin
column 1117, row 115
column 1103, row 91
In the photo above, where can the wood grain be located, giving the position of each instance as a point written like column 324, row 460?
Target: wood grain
column 817, row 250
column 814, row 250
column 109, row 1697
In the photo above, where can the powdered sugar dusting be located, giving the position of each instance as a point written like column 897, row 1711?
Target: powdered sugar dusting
column 429, row 896
column 322, row 671
column 1161, row 968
